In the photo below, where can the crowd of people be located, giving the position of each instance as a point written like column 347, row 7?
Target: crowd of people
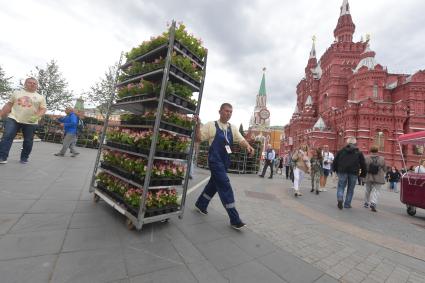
column 349, row 165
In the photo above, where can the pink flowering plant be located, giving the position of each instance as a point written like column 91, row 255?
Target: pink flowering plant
column 161, row 198
column 137, row 166
column 142, row 139
column 143, row 87
column 168, row 116
column 133, row 196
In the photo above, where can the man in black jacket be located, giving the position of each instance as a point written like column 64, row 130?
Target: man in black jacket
column 348, row 162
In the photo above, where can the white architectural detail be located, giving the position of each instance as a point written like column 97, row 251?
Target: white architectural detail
column 320, row 124
column 309, row 101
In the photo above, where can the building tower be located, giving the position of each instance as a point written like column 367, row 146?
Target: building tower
column 261, row 116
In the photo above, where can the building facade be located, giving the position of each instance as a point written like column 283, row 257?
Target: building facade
column 348, row 93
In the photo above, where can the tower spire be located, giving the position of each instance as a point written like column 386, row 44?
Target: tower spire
column 345, row 27
column 262, row 90
column 345, row 8
column 313, row 48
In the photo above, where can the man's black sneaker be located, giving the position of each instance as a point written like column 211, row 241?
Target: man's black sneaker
column 340, row 204
column 23, row 161
column 270, row 177
column 312, row 190
column 3, row 161
column 201, row 211
column 238, row 226
column 59, row 154
column 317, row 192
column 347, row 206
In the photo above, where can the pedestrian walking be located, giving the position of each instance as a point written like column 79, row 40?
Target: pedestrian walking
column 328, row 159
column 280, row 166
column 347, row 164
column 393, row 176
column 70, row 124
column 286, row 163
column 302, row 166
column 269, row 159
column 316, row 162
column 375, row 178
column 24, row 110
column 220, row 135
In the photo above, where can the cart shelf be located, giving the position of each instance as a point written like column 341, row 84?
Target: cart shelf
column 162, row 51
column 139, row 103
column 176, row 75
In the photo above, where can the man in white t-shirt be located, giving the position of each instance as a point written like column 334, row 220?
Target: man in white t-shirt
column 328, row 159
column 25, row 108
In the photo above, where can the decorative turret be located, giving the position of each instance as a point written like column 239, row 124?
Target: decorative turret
column 345, row 27
column 367, row 59
column 312, row 61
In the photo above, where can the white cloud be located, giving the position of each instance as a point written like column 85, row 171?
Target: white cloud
column 85, row 37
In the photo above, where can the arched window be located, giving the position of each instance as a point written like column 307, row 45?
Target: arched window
column 380, row 140
column 375, row 91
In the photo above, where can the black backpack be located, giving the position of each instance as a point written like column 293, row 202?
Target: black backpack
column 373, row 166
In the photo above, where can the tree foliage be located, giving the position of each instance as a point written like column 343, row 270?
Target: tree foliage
column 53, row 86
column 5, row 85
column 102, row 90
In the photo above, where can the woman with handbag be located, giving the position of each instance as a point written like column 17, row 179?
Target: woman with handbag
column 302, row 166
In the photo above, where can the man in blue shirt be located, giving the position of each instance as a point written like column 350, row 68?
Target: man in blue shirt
column 70, row 124
column 269, row 159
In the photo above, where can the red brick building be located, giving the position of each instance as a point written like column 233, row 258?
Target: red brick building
column 347, row 93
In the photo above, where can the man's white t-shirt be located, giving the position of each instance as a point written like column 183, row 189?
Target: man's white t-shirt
column 329, row 157
column 208, row 132
column 25, row 106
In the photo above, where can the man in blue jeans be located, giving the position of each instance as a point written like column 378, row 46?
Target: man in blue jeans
column 348, row 162
column 70, row 125
column 24, row 109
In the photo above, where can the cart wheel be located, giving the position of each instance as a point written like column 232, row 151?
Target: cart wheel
column 96, row 198
column 129, row 224
column 411, row 210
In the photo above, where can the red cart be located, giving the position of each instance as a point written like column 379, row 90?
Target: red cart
column 412, row 189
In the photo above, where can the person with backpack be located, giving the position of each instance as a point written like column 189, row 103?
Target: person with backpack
column 348, row 164
column 375, row 178
column 70, row 124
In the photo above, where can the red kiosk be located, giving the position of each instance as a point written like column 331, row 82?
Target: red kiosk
column 412, row 189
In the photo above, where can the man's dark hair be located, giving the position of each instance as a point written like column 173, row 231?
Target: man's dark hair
column 225, row 105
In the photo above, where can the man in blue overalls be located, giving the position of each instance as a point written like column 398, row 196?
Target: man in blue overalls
column 220, row 135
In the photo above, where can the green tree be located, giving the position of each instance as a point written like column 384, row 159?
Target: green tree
column 5, row 85
column 53, row 86
column 241, row 130
column 102, row 90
